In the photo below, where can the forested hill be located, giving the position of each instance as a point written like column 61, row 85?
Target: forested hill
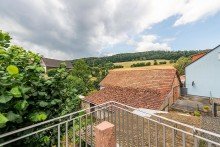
column 149, row 55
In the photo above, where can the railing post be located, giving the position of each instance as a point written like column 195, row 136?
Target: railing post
column 195, row 139
column 105, row 135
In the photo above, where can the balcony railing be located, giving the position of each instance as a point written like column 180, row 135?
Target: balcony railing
column 77, row 129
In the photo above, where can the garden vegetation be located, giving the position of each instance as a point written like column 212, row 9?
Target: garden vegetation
column 28, row 95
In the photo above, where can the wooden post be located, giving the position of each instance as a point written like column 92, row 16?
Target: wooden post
column 105, row 135
column 215, row 109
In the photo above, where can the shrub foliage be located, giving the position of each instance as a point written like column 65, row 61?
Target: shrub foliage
column 141, row 64
column 181, row 64
column 163, row 62
column 118, row 66
column 27, row 94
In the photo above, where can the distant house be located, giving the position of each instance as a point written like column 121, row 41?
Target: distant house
column 150, row 89
column 203, row 75
column 53, row 63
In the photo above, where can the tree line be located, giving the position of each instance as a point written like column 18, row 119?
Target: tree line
column 148, row 55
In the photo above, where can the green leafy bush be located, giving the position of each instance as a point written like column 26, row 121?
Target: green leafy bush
column 197, row 113
column 27, row 94
column 163, row 62
column 38, row 116
column 3, row 120
column 206, row 108
column 172, row 61
column 181, row 64
column 81, row 77
column 118, row 66
column 155, row 62
column 141, row 64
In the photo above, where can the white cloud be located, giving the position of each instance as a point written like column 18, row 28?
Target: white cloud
column 54, row 54
column 148, row 43
column 70, row 29
column 170, row 39
column 14, row 27
column 194, row 10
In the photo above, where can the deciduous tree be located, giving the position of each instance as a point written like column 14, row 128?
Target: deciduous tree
column 181, row 64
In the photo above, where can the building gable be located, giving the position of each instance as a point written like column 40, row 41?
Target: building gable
column 202, row 76
column 201, row 55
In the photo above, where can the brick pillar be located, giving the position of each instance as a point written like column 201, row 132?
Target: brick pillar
column 105, row 135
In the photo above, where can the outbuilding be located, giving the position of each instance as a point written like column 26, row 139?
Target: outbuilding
column 147, row 88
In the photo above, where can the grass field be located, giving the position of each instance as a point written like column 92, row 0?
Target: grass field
column 128, row 64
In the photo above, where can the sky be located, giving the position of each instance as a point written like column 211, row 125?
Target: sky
column 70, row 29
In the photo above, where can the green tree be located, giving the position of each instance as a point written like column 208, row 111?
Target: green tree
column 82, row 75
column 78, row 84
column 181, row 64
column 81, row 70
column 4, row 40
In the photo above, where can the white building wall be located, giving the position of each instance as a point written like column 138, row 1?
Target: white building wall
column 205, row 73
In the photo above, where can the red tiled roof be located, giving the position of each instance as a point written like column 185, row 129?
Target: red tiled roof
column 138, row 98
column 197, row 56
column 137, row 88
column 156, row 79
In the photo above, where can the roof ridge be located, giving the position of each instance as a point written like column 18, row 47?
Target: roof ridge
column 142, row 70
column 204, row 55
column 55, row 59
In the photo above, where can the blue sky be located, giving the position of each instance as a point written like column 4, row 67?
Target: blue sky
column 199, row 35
column 64, row 29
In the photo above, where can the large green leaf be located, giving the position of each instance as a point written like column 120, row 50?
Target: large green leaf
column 4, row 56
column 55, row 101
column 12, row 70
column 2, row 51
column 43, row 103
column 5, row 98
column 16, row 92
column 42, row 93
column 40, row 69
column 48, row 82
column 5, row 83
column 31, row 67
column 38, row 116
column 3, row 120
column 46, row 139
column 24, row 89
column 21, row 105
column 14, row 117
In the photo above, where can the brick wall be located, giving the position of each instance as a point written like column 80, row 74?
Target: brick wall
column 176, row 89
column 173, row 95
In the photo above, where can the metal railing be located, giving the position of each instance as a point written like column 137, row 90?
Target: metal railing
column 77, row 129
